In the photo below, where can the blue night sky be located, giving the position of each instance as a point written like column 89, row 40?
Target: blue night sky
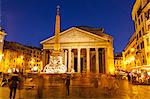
column 31, row 21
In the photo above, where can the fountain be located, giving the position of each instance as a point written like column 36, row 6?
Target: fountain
column 55, row 64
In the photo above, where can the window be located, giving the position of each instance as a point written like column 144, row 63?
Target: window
column 140, row 34
column 135, row 26
column 143, row 60
column 139, row 11
column 137, row 37
column 135, row 18
column 147, row 14
column 139, row 21
column 138, row 47
column 141, row 18
column 142, row 30
column 149, row 27
column 148, row 41
column 142, row 45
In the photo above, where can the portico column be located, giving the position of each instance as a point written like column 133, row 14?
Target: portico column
column 69, row 63
column 97, row 60
column 79, row 67
column 88, row 60
column 65, row 57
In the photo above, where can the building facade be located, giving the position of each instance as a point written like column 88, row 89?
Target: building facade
column 118, row 61
column 21, row 57
column 2, row 36
column 137, row 51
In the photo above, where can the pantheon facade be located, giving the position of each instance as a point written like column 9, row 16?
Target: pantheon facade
column 84, row 49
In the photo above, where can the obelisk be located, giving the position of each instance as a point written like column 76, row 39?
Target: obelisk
column 55, row 64
column 57, row 32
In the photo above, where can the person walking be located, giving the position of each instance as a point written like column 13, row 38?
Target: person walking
column 4, row 81
column 20, row 84
column 13, row 83
column 67, row 83
column 40, row 87
column 96, row 83
column 129, row 77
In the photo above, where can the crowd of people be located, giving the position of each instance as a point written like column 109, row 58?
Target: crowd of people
column 15, row 81
column 137, row 78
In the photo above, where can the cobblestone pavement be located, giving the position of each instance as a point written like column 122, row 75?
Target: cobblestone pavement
column 82, row 91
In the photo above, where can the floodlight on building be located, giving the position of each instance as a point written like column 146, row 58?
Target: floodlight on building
column 132, row 58
column 21, row 57
column 35, row 68
column 132, row 49
column 124, row 62
column 1, row 56
column 32, row 60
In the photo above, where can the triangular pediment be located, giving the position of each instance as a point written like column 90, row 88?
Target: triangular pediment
column 76, row 35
